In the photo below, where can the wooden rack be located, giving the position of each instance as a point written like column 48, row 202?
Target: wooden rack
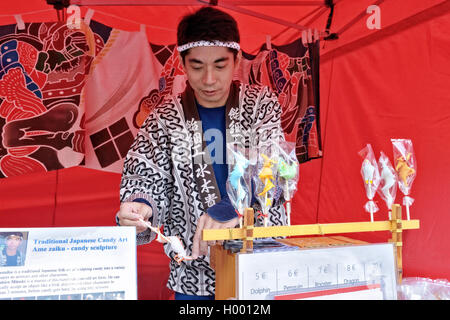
column 248, row 232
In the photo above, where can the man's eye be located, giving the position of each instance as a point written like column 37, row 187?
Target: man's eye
column 196, row 68
column 220, row 67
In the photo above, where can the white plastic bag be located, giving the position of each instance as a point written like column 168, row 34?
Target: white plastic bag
column 406, row 166
column 371, row 178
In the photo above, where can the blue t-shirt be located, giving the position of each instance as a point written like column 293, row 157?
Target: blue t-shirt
column 213, row 124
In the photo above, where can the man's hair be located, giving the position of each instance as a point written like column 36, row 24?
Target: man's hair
column 8, row 235
column 207, row 24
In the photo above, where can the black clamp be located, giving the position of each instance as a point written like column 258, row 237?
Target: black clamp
column 330, row 36
column 59, row 4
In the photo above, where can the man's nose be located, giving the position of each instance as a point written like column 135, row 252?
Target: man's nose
column 209, row 77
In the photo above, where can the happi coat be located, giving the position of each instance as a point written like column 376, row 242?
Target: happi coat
column 168, row 167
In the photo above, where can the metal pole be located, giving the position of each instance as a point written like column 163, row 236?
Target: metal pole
column 191, row 3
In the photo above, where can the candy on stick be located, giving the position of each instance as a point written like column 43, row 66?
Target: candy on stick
column 288, row 168
column 237, row 186
column 406, row 167
column 371, row 177
column 264, row 180
column 266, row 175
column 175, row 243
column 388, row 183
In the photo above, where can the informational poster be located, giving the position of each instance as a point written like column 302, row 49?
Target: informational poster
column 83, row 263
column 353, row 272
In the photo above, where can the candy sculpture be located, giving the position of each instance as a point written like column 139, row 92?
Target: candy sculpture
column 288, row 168
column 371, row 177
column 237, row 186
column 267, row 178
column 174, row 242
column 388, row 183
column 406, row 168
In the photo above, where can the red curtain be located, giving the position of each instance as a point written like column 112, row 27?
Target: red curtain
column 373, row 89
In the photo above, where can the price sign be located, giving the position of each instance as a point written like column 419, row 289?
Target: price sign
column 261, row 274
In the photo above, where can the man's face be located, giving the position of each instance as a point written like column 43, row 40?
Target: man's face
column 13, row 242
column 210, row 72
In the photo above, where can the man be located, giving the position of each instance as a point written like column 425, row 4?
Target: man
column 10, row 256
column 171, row 176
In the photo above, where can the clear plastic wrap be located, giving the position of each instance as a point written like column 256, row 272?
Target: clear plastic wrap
column 288, row 173
column 265, row 178
column 406, row 167
column 371, row 177
column 423, row 289
column 388, row 183
column 238, row 183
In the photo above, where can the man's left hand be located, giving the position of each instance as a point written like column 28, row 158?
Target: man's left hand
column 199, row 246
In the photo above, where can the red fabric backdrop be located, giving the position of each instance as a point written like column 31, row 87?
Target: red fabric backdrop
column 374, row 85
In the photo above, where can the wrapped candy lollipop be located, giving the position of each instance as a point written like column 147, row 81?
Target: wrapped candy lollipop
column 388, row 183
column 288, row 173
column 265, row 179
column 406, row 167
column 371, row 177
column 238, row 181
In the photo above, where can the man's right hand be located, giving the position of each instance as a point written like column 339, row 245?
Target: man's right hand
column 131, row 212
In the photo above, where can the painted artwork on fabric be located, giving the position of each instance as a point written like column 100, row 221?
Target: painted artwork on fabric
column 123, row 73
column 292, row 71
column 65, row 99
column 42, row 72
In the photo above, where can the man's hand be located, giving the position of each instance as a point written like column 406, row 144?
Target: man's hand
column 131, row 212
column 199, row 246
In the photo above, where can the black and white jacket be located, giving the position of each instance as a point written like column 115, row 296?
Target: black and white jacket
column 162, row 167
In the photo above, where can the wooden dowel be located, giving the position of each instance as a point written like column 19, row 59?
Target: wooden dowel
column 306, row 229
column 249, row 220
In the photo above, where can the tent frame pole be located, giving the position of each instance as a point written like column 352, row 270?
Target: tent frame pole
column 420, row 17
column 223, row 4
column 266, row 17
column 192, row 2
column 261, row 16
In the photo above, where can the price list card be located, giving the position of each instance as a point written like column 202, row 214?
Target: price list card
column 263, row 274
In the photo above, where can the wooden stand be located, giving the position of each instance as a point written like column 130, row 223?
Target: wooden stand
column 224, row 262
column 249, row 221
column 396, row 220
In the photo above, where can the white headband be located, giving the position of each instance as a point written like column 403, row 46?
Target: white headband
column 204, row 43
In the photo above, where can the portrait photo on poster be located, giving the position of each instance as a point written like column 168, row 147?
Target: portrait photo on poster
column 13, row 246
